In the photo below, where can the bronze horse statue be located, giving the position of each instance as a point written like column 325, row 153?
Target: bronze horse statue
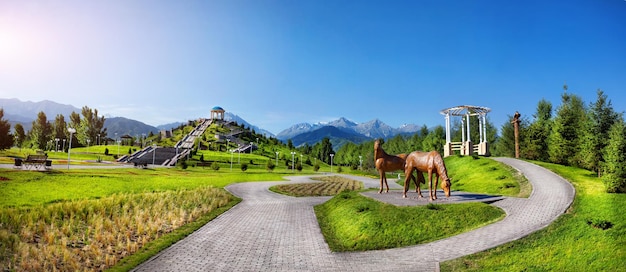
column 386, row 163
column 430, row 162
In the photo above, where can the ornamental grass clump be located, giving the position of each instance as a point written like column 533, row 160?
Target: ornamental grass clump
column 92, row 235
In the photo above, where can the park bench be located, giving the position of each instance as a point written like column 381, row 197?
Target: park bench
column 36, row 161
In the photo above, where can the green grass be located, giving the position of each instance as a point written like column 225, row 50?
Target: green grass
column 352, row 222
column 27, row 188
column 571, row 243
column 484, row 175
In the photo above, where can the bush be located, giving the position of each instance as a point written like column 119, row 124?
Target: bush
column 215, row 166
column 106, row 151
column 299, row 167
column 339, row 169
column 244, row 167
column 316, row 167
column 270, row 166
column 202, row 157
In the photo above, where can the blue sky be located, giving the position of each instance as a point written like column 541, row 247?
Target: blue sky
column 278, row 63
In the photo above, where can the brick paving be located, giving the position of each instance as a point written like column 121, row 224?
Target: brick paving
column 271, row 232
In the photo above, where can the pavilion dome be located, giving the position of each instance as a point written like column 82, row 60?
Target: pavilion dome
column 217, row 108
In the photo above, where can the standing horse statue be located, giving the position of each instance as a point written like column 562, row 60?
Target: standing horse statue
column 430, row 162
column 387, row 163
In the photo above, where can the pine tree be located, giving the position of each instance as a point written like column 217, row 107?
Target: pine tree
column 615, row 155
column 6, row 139
column 41, row 131
column 566, row 133
column 601, row 118
column 535, row 141
column 505, row 145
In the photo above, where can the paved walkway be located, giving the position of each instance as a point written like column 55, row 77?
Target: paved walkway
column 271, row 232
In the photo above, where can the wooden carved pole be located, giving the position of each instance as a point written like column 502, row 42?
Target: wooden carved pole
column 516, row 122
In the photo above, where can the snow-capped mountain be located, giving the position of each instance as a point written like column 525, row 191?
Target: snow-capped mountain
column 372, row 129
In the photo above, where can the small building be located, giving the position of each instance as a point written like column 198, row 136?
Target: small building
column 466, row 146
column 217, row 113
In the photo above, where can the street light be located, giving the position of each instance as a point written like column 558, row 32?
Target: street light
column 56, row 146
column 71, row 131
column 293, row 164
column 232, row 151
column 361, row 162
column 331, row 162
column 251, row 147
column 277, row 158
column 153, row 153
column 64, row 144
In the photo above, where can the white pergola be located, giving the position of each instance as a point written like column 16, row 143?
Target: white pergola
column 465, row 146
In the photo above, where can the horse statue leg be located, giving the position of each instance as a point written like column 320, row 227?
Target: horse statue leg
column 408, row 175
column 430, row 185
column 436, row 185
column 382, row 176
column 419, row 179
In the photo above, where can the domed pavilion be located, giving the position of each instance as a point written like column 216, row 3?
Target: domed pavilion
column 217, row 113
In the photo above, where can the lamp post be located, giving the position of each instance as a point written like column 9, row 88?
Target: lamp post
column 251, row 147
column 293, row 168
column 277, row 158
column 301, row 159
column 88, row 141
column 56, row 146
column 231, row 159
column 71, row 131
column 331, row 162
column 153, row 153
column 361, row 162
column 64, row 144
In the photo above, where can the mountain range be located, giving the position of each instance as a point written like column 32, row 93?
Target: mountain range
column 339, row 131
column 344, row 129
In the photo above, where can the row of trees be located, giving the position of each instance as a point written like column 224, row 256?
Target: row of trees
column 587, row 136
column 43, row 133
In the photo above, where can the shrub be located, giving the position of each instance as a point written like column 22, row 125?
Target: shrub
column 244, row 167
column 106, row 151
column 215, row 166
column 339, row 169
column 299, row 167
column 316, row 167
column 202, row 157
column 270, row 166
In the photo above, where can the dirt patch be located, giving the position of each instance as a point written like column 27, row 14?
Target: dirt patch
column 4, row 179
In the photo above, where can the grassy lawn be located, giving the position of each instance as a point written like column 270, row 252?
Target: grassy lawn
column 574, row 242
column 482, row 175
column 27, row 188
column 352, row 222
column 92, row 218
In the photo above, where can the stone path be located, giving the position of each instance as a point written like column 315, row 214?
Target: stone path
column 271, row 232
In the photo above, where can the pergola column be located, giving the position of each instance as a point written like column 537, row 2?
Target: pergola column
column 466, row 147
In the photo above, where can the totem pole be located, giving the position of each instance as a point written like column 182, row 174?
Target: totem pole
column 515, row 123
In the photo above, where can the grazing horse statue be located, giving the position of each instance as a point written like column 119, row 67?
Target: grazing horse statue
column 386, row 163
column 430, row 162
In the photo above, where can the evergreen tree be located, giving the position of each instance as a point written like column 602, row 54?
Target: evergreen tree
column 535, row 141
column 565, row 136
column 601, row 118
column 20, row 134
column 41, row 131
column 435, row 140
column 326, row 150
column 60, row 128
column 505, row 145
column 615, row 155
column 6, row 139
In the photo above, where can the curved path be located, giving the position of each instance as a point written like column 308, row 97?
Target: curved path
column 271, row 232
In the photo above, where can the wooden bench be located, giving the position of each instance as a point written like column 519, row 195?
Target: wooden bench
column 37, row 161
